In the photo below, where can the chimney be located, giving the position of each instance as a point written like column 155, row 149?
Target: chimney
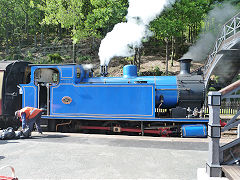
column 185, row 66
column 103, row 71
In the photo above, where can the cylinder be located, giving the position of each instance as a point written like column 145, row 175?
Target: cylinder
column 130, row 71
column 185, row 66
column 194, row 130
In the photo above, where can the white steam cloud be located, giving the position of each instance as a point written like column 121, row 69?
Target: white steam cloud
column 218, row 16
column 127, row 36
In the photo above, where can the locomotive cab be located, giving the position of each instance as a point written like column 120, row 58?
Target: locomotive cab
column 43, row 79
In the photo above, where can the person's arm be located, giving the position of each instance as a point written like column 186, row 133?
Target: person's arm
column 24, row 120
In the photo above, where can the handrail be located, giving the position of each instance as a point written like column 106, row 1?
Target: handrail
column 231, row 27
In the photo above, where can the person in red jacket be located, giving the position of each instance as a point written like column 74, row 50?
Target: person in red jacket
column 30, row 116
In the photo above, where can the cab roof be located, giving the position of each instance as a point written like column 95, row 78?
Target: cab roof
column 52, row 64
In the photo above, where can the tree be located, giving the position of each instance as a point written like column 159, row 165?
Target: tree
column 167, row 28
column 67, row 14
column 105, row 14
column 84, row 17
column 181, row 21
column 17, row 18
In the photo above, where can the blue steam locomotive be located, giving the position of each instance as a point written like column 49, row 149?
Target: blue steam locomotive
column 75, row 100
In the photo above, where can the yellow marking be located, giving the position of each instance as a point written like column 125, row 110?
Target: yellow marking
column 99, row 117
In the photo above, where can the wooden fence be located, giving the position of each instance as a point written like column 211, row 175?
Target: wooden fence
column 230, row 108
column 227, row 108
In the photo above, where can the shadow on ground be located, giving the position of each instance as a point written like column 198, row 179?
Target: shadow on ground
column 54, row 136
column 7, row 141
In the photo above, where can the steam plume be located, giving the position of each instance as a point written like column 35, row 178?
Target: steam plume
column 127, row 36
column 218, row 16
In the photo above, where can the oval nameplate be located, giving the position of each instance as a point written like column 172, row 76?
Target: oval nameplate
column 66, row 100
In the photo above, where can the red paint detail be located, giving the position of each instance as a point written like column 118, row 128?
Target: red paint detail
column 160, row 131
column 153, row 131
column 95, row 127
column 131, row 130
column 7, row 178
column 222, row 123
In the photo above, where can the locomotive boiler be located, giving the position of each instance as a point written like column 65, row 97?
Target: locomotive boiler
column 163, row 105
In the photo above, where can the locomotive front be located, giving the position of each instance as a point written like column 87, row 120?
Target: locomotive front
column 191, row 92
column 182, row 95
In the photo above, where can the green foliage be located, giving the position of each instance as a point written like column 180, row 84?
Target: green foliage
column 175, row 20
column 78, row 19
column 67, row 57
column 126, row 60
column 212, row 89
column 42, row 61
column 154, row 72
column 56, row 41
column 238, row 92
column 55, row 58
column 129, row 59
column 18, row 21
column 29, row 56
column 214, row 79
column 51, row 59
column 62, row 12
column 20, row 16
column 81, row 59
column 68, row 14
column 157, row 71
column 105, row 14
column 9, row 57
column 238, row 77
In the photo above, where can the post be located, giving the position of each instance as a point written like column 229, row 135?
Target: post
column 213, row 167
